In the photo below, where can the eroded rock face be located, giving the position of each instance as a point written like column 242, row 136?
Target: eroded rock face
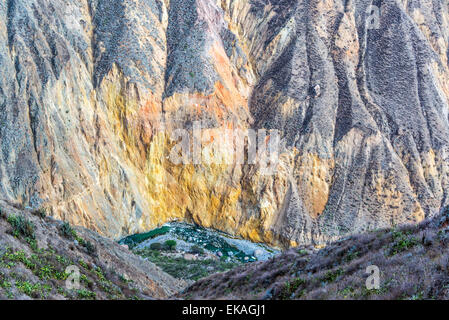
column 92, row 91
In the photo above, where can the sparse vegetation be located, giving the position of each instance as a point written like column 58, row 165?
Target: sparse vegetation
column 156, row 246
column 90, row 247
column 413, row 263
column 333, row 275
column 83, row 264
column 86, row 294
column 41, row 213
column 40, row 272
column 49, row 267
column 170, row 245
column 21, row 226
column 352, row 254
column 34, row 290
column 402, row 241
column 196, row 250
column 67, row 231
column 185, row 269
column 291, row 287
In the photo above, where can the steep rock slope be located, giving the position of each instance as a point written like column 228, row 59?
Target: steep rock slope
column 38, row 254
column 91, row 92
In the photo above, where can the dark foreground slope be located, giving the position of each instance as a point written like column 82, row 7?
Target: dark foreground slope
column 413, row 263
column 35, row 252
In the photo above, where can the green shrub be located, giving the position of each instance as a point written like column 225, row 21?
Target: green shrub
column 156, row 246
column 291, row 287
column 34, row 290
column 403, row 241
column 170, row 244
column 83, row 264
column 42, row 213
column 90, row 247
column 22, row 226
column 32, row 243
column 331, row 276
column 196, row 250
column 67, row 231
column 86, row 294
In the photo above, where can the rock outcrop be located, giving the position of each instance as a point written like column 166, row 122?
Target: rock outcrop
column 92, row 91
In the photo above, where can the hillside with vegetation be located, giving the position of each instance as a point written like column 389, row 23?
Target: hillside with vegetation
column 413, row 262
column 38, row 255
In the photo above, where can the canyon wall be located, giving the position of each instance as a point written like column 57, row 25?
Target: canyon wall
column 93, row 92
